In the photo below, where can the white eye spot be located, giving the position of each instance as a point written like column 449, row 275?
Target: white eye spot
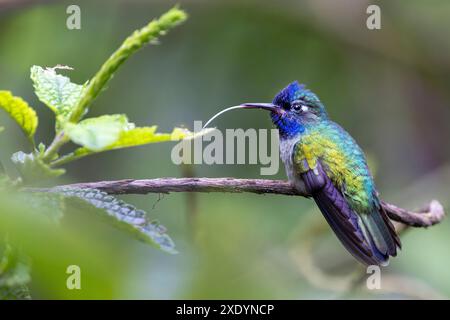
column 305, row 108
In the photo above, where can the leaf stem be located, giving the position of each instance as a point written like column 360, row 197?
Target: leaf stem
column 72, row 156
column 60, row 140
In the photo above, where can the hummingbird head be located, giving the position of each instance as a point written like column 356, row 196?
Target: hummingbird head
column 293, row 109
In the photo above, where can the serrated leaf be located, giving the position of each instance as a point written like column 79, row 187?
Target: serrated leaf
column 20, row 112
column 55, row 90
column 32, row 168
column 97, row 133
column 124, row 216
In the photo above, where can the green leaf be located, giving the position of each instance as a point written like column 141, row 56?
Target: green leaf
column 55, row 90
column 14, row 274
column 124, row 216
column 20, row 112
column 145, row 135
column 134, row 137
column 15, row 293
column 97, row 133
column 32, row 168
column 110, row 132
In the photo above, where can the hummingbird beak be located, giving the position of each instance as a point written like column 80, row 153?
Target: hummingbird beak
column 265, row 106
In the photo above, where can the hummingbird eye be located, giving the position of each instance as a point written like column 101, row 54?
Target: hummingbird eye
column 298, row 107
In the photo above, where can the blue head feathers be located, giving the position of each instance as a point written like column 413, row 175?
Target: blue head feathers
column 302, row 109
column 294, row 91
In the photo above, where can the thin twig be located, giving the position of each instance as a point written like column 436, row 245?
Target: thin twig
column 431, row 214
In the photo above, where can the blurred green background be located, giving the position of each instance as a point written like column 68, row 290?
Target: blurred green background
column 389, row 88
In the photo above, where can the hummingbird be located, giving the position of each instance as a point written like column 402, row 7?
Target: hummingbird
column 322, row 160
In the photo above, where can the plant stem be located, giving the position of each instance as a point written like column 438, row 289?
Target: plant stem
column 60, row 140
column 133, row 43
column 67, row 158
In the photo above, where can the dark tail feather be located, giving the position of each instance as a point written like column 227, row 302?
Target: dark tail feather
column 369, row 237
column 347, row 231
column 381, row 232
column 391, row 227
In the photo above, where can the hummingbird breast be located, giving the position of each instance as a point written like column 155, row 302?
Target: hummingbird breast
column 287, row 149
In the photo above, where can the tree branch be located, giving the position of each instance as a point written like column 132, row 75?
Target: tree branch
column 429, row 215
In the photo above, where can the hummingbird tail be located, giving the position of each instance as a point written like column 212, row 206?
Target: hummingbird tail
column 381, row 233
column 369, row 237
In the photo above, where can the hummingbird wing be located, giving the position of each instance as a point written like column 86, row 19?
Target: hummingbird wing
column 370, row 239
